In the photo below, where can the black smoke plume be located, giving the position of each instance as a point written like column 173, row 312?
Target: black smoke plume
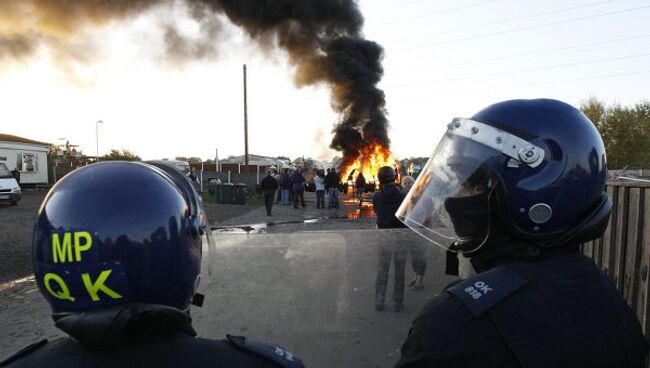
column 322, row 39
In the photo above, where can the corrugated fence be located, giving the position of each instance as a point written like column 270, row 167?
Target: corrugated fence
column 623, row 251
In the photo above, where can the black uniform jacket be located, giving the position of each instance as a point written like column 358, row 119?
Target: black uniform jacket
column 560, row 312
column 269, row 184
column 385, row 203
column 137, row 336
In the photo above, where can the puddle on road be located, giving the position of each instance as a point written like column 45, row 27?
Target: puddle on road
column 13, row 283
column 241, row 229
column 354, row 212
column 364, row 211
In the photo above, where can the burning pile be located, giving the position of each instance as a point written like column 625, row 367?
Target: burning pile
column 372, row 156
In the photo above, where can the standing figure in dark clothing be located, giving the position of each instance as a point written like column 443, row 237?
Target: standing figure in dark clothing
column 269, row 185
column 119, row 262
column 385, row 203
column 16, row 174
column 298, row 187
column 193, row 175
column 332, row 181
column 516, row 189
column 360, row 185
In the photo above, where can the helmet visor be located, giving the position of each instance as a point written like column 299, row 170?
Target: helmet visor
column 449, row 202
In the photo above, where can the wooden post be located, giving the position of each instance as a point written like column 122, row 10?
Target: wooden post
column 245, row 122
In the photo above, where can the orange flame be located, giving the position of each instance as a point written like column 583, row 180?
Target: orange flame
column 372, row 157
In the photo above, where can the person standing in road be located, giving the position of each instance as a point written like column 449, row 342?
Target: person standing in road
column 124, row 297
column 519, row 211
column 332, row 181
column 285, row 186
column 193, row 175
column 385, row 203
column 360, row 185
column 16, row 174
column 269, row 185
column 319, row 182
column 298, row 187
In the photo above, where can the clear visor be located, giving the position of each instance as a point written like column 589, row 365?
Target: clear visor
column 449, row 202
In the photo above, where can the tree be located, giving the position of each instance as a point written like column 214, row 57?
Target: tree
column 123, row 155
column 594, row 109
column 625, row 132
column 194, row 160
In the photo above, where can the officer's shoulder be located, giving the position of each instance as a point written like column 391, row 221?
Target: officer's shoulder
column 23, row 352
column 267, row 351
column 480, row 292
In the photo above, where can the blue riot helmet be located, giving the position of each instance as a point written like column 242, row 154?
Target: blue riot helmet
column 119, row 232
column 535, row 167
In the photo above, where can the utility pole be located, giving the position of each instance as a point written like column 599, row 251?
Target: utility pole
column 97, row 138
column 245, row 123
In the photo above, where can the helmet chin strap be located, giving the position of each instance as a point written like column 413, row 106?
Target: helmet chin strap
column 451, row 263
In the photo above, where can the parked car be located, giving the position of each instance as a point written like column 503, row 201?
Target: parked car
column 9, row 188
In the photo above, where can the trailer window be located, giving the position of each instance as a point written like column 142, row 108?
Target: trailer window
column 29, row 163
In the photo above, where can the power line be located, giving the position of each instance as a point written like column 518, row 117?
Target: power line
column 522, row 70
column 529, row 85
column 513, row 19
column 444, row 11
column 522, row 28
column 513, row 56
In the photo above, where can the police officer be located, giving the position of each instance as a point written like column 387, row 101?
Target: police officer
column 516, row 189
column 385, row 202
column 117, row 254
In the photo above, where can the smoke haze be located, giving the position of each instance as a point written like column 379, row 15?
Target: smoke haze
column 322, row 38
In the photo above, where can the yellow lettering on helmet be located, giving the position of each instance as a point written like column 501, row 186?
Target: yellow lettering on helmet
column 78, row 247
column 61, row 252
column 94, row 287
column 64, row 292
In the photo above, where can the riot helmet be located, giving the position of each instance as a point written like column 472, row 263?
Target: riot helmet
column 119, row 232
column 386, row 174
column 537, row 167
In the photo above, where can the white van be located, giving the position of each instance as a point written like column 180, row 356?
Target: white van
column 9, row 188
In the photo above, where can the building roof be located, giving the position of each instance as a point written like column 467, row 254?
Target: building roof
column 253, row 160
column 17, row 139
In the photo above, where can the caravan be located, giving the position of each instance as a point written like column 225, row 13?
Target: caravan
column 9, row 189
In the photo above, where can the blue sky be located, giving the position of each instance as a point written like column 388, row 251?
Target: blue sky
column 442, row 59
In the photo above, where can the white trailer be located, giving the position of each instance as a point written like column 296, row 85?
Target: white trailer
column 26, row 155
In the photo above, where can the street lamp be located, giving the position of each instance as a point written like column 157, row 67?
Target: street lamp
column 97, row 137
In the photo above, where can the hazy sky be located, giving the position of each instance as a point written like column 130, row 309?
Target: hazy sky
column 442, row 59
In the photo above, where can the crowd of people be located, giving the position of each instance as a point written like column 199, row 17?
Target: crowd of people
column 291, row 184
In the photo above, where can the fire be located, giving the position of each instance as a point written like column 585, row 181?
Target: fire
column 372, row 157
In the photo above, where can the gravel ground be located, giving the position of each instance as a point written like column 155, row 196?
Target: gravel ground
column 16, row 238
column 18, row 221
